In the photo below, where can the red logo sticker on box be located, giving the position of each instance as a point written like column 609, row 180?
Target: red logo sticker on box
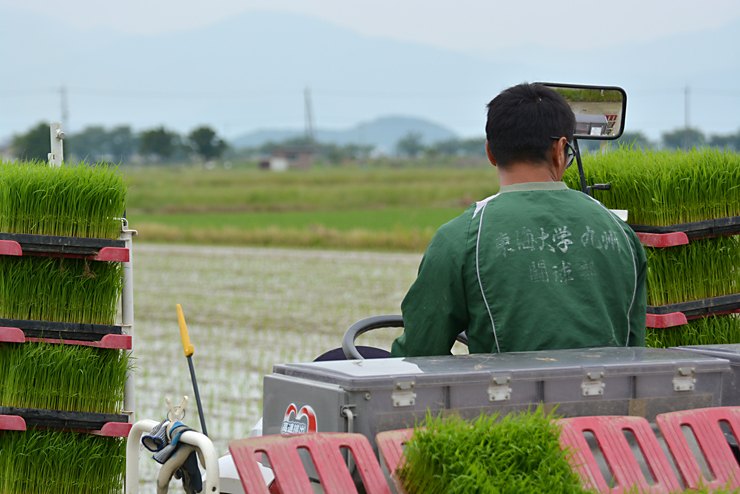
column 298, row 425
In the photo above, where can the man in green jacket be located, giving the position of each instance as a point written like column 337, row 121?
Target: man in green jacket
column 535, row 267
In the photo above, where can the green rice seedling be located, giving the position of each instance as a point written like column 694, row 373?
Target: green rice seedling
column 52, row 462
column 702, row 269
column 716, row 330
column 519, row 453
column 60, row 290
column 62, row 377
column 663, row 188
column 72, row 200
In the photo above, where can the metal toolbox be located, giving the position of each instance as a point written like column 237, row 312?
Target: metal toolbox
column 731, row 381
column 371, row 396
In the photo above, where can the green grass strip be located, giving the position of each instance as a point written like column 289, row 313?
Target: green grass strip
column 51, row 462
column 589, row 95
column 62, row 377
column 702, row 269
column 71, row 200
column 518, row 453
column 663, row 187
column 60, row 290
column 717, row 330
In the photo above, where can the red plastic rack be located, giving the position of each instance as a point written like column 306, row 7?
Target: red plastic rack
column 662, row 239
column 109, row 341
column 99, row 424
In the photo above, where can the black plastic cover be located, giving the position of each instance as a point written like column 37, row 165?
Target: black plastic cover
column 61, row 245
column 67, row 420
column 695, row 229
column 699, row 307
column 61, row 330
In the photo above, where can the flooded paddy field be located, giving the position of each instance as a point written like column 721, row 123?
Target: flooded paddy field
column 247, row 309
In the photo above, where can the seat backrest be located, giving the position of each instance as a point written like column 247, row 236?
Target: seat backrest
column 705, row 424
column 619, row 457
column 327, row 457
column 390, row 447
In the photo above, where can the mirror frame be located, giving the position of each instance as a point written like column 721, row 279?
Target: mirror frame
column 620, row 131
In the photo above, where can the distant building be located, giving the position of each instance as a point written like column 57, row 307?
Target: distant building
column 283, row 158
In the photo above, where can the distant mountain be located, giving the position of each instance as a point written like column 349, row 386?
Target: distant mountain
column 383, row 133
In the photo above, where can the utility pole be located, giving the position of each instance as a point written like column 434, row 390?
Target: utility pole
column 65, row 110
column 308, row 116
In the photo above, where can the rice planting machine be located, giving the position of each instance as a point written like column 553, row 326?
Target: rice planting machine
column 362, row 390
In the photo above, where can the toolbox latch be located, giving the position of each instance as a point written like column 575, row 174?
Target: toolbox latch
column 684, row 379
column 499, row 390
column 403, row 394
column 592, row 385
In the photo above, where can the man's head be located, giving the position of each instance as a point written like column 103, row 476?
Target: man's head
column 522, row 122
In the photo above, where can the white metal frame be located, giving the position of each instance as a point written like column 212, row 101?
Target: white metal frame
column 127, row 318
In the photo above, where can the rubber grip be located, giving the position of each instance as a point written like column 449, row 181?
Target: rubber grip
column 186, row 346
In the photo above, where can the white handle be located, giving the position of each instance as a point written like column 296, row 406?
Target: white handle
column 193, row 438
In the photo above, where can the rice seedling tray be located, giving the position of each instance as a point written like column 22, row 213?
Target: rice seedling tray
column 698, row 308
column 95, row 335
column 99, row 249
column 62, row 330
column 104, row 424
column 695, row 229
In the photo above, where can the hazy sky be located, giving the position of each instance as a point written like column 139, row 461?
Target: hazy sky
column 461, row 25
column 362, row 59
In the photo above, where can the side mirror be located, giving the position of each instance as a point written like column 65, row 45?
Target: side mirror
column 599, row 110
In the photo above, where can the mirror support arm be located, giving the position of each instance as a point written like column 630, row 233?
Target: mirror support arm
column 584, row 189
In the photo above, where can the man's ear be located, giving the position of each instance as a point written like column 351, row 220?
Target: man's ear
column 557, row 158
column 490, row 155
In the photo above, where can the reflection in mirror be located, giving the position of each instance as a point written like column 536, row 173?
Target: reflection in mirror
column 599, row 110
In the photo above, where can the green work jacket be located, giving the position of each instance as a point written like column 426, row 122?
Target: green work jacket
column 537, row 266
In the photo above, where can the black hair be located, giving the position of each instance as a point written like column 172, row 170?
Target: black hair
column 522, row 121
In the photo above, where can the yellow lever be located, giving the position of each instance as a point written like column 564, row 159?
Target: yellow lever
column 186, row 346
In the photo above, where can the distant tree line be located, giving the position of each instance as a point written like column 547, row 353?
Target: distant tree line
column 333, row 153
column 159, row 145
column 683, row 139
column 121, row 144
column 411, row 144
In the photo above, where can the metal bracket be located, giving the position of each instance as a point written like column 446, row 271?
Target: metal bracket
column 499, row 390
column 684, row 379
column 403, row 395
column 592, row 384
